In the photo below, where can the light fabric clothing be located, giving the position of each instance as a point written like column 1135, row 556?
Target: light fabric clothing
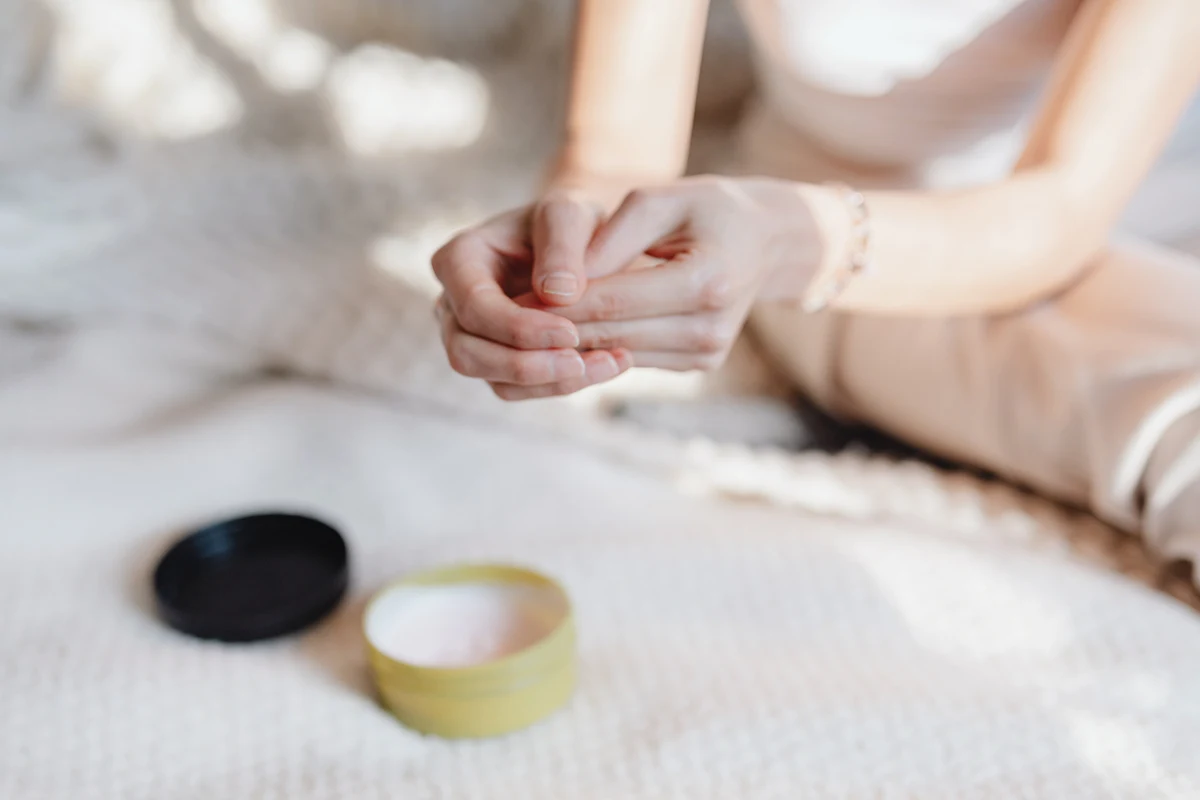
column 911, row 90
column 1075, row 397
column 932, row 93
column 1092, row 397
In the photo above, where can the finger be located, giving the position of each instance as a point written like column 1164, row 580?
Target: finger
column 601, row 368
column 686, row 333
column 686, row 286
column 467, row 268
column 671, row 247
column 679, row 362
column 562, row 227
column 507, row 233
column 644, row 218
column 475, row 357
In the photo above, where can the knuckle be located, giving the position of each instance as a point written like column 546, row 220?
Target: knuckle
column 524, row 335
column 449, row 255
column 720, row 186
column 469, row 312
column 714, row 292
column 555, row 209
column 647, row 202
column 610, row 305
column 472, row 308
column 638, row 198
column 460, row 360
column 505, row 392
column 599, row 337
column 514, row 394
column 707, row 187
column 523, row 371
column 446, row 321
column 441, row 255
column 545, row 214
column 440, row 262
column 710, row 361
column 555, row 257
column 711, row 337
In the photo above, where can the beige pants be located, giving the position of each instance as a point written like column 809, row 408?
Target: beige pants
column 1092, row 397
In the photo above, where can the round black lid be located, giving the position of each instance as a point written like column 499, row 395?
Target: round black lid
column 252, row 578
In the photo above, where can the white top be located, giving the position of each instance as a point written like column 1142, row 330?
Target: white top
column 927, row 93
column 900, row 83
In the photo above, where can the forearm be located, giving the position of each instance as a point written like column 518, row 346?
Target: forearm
column 1127, row 70
column 983, row 250
column 633, row 91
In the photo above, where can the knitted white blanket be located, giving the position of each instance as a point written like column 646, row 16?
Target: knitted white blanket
column 879, row 630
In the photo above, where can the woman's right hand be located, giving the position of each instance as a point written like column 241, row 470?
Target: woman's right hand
column 522, row 352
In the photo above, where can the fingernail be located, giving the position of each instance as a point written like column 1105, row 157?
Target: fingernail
column 602, row 369
column 560, row 284
column 561, row 338
column 566, row 366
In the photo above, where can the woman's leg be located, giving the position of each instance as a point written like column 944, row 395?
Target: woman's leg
column 1092, row 397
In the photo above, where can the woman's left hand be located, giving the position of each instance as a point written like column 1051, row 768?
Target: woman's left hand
column 723, row 244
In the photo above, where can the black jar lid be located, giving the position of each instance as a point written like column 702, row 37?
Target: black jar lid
column 252, row 578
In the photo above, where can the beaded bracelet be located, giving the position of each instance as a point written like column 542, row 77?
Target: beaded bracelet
column 858, row 260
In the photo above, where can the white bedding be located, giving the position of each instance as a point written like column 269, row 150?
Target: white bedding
column 728, row 650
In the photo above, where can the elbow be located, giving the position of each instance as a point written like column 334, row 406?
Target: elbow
column 1048, row 272
column 1063, row 240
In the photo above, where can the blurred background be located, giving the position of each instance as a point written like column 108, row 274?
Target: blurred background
column 149, row 146
column 368, row 78
column 466, row 94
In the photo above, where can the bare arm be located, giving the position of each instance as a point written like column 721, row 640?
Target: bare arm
column 633, row 92
column 1127, row 71
column 1125, row 74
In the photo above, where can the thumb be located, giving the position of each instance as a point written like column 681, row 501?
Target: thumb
column 562, row 227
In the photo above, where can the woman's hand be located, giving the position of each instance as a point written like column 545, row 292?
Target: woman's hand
column 522, row 352
column 724, row 243
column 549, row 300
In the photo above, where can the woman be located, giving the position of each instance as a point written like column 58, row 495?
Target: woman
column 963, row 296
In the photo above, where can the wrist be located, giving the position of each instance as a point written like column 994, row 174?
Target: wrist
column 833, row 224
column 811, row 237
column 606, row 187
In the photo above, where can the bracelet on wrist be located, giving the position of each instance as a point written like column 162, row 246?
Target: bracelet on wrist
column 857, row 260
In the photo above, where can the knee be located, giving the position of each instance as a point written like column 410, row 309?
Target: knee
column 1171, row 492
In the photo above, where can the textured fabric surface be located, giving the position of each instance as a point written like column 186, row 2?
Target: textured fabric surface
column 727, row 650
column 861, row 629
